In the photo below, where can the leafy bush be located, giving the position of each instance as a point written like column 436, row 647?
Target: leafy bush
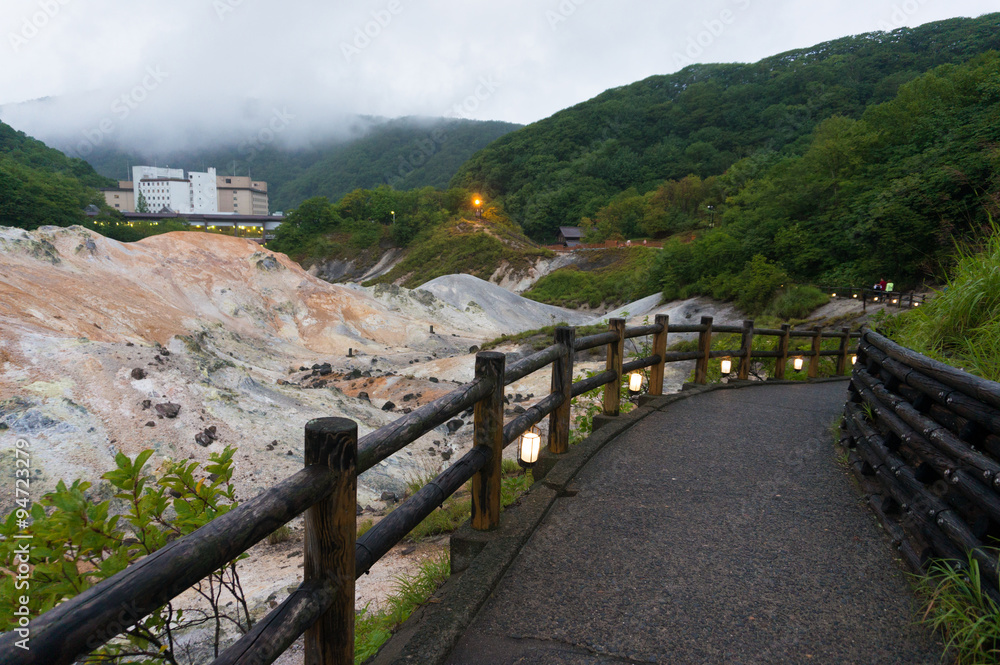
column 77, row 541
column 625, row 280
column 797, row 302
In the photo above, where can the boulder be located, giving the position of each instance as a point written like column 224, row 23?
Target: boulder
column 138, row 374
column 168, row 409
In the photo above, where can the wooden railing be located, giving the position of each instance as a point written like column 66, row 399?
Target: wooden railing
column 897, row 299
column 322, row 607
column 924, row 443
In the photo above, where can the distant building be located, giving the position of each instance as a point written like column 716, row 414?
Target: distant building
column 121, row 197
column 169, row 188
column 570, row 236
column 242, row 195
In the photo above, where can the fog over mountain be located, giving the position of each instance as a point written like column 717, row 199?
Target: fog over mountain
column 200, row 72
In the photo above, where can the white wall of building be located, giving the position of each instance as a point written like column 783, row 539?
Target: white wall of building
column 204, row 192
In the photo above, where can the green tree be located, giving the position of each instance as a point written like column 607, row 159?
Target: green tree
column 140, row 203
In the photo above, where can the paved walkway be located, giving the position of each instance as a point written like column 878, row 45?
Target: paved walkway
column 718, row 530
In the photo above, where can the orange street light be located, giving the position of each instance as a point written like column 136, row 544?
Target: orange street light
column 478, row 203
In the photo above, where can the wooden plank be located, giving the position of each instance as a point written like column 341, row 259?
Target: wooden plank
column 704, row 351
column 489, row 433
column 616, row 351
column 782, row 361
column 659, row 349
column 533, row 363
column 330, row 532
column 845, row 343
column 814, row 356
column 562, row 384
column 746, row 350
column 596, row 381
column 594, row 341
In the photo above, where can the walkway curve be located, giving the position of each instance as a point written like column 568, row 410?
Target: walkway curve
column 717, row 529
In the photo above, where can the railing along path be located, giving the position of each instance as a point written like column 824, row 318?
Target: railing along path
column 322, row 607
column 924, row 443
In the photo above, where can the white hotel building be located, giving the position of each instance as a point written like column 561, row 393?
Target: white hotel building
column 169, row 188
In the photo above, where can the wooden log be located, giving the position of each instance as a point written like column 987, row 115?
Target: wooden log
column 382, row 537
column 638, row 364
column 593, row 341
column 680, row 356
column 616, row 351
column 816, row 348
column 641, row 331
column 844, row 351
column 892, row 527
column 531, row 415
column 699, row 328
column 973, row 386
column 782, row 361
column 704, row 351
column 489, row 433
column 272, row 635
column 942, row 438
column 385, row 441
column 727, row 330
column 562, row 384
column 768, row 332
column 330, row 532
column 659, row 349
column 593, row 382
column 746, row 350
column 534, row 362
column 85, row 622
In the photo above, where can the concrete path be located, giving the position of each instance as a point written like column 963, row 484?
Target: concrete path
column 718, row 530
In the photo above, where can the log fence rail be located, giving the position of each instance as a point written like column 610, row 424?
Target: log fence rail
column 322, row 607
column 923, row 440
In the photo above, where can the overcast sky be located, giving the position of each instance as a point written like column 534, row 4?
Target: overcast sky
column 197, row 69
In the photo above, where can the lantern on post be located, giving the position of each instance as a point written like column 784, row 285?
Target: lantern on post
column 529, row 448
column 854, row 359
column 797, row 363
column 726, row 366
column 477, row 202
column 634, row 384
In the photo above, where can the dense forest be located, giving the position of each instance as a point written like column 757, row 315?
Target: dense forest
column 406, row 153
column 40, row 185
column 703, row 119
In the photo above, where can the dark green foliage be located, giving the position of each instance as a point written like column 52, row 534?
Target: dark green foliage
column 703, row 119
column 407, row 153
column 625, row 279
column 796, row 302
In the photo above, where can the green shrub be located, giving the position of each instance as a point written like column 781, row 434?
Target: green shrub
column 797, row 302
column 78, row 542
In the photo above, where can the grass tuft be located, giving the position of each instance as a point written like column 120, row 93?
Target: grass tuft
column 280, row 535
column 372, row 629
column 956, row 605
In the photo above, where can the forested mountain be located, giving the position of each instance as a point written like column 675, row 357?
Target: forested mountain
column 40, row 185
column 406, row 153
column 701, row 120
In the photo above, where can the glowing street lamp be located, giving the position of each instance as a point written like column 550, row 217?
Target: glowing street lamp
column 478, row 203
column 797, row 364
column 726, row 366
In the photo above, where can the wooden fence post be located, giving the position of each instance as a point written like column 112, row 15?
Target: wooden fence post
column 562, row 382
column 705, row 349
column 746, row 349
column 814, row 359
column 330, row 532
column 488, row 432
column 659, row 349
column 845, row 344
column 779, row 364
column 616, row 351
column 864, row 300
